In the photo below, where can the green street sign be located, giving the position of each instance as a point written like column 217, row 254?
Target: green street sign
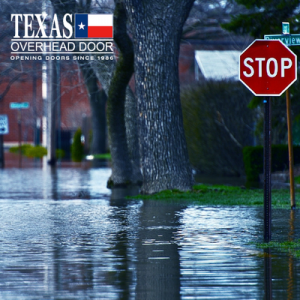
column 285, row 27
column 18, row 105
column 287, row 39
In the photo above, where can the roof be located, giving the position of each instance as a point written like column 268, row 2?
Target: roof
column 218, row 64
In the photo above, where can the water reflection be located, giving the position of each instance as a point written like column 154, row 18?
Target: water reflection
column 126, row 215
column 268, row 274
column 158, row 262
column 150, row 265
column 216, row 260
column 66, row 236
column 285, row 272
column 290, row 291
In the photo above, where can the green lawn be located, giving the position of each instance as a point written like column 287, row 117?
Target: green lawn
column 103, row 156
column 297, row 179
column 225, row 195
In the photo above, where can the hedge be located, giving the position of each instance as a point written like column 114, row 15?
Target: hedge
column 253, row 160
column 30, row 151
column 213, row 113
column 77, row 149
column 35, row 151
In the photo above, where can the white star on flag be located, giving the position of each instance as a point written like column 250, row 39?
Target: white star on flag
column 81, row 26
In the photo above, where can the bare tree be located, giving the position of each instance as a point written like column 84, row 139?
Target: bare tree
column 206, row 19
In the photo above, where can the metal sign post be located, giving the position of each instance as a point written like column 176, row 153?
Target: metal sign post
column 19, row 106
column 267, row 170
column 20, row 136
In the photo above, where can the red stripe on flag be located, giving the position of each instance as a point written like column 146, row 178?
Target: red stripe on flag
column 100, row 32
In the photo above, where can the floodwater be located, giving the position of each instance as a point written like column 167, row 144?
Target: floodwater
column 64, row 235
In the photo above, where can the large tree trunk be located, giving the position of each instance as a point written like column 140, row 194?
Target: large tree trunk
column 121, row 166
column 121, row 108
column 157, row 28
column 104, row 71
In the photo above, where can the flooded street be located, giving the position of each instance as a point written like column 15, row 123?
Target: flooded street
column 64, row 235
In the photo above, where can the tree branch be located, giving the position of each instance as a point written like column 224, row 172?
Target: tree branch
column 10, row 84
column 221, row 122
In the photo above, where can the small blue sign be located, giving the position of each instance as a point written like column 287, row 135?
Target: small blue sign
column 18, row 105
column 3, row 124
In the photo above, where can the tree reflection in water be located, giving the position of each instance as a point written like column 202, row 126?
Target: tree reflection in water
column 155, row 265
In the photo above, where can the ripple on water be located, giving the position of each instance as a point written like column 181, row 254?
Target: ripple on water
column 214, row 259
column 63, row 237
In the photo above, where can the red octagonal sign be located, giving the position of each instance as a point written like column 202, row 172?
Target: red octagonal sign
column 268, row 67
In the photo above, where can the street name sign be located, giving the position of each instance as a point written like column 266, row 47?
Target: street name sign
column 18, row 105
column 268, row 67
column 3, row 124
column 287, row 39
column 285, row 27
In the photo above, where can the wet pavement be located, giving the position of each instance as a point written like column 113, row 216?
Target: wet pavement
column 64, row 235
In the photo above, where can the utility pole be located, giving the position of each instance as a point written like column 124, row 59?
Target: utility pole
column 58, row 105
column 44, row 122
column 20, row 136
column 51, row 107
column 52, row 110
column 34, row 105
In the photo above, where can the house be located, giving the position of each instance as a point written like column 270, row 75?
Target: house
column 216, row 64
column 74, row 104
column 206, row 49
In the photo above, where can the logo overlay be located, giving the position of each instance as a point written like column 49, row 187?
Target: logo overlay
column 93, row 26
column 82, row 37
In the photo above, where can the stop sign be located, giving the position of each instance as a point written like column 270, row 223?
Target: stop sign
column 268, row 67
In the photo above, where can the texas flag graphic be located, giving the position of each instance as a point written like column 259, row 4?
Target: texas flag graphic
column 93, row 26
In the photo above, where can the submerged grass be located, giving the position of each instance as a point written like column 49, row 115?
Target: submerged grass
column 203, row 194
column 291, row 247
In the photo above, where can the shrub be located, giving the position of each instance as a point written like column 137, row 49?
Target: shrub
column 30, row 151
column 218, row 124
column 23, row 148
column 77, row 149
column 253, row 160
column 35, row 151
